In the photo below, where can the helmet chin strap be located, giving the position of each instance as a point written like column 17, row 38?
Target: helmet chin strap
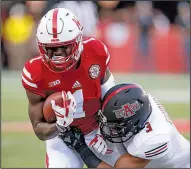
column 80, row 49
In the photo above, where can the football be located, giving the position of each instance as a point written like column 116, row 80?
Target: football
column 48, row 112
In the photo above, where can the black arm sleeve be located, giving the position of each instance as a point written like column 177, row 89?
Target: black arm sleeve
column 89, row 158
column 75, row 140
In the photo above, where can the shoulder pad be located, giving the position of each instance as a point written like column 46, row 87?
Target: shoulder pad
column 31, row 74
column 153, row 148
column 98, row 48
column 33, row 68
column 154, row 140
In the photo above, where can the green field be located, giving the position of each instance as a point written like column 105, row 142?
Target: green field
column 26, row 151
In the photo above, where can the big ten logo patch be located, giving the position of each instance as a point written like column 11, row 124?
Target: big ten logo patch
column 54, row 83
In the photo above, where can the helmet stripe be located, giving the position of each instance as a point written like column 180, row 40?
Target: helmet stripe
column 54, row 23
column 117, row 91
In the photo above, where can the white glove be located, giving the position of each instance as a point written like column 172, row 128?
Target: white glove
column 65, row 114
column 98, row 143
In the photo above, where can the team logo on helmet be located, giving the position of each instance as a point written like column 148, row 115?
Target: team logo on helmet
column 94, row 71
column 127, row 110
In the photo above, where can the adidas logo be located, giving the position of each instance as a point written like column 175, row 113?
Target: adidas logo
column 76, row 84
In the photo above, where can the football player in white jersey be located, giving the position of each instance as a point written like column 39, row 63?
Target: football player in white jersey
column 138, row 120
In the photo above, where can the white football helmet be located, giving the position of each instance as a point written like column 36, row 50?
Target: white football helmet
column 59, row 37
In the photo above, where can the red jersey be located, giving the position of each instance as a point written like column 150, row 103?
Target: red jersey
column 84, row 82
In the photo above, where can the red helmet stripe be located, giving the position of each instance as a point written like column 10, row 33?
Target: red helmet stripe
column 117, row 91
column 54, row 23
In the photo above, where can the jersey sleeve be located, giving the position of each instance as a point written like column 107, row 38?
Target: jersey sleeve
column 31, row 80
column 99, row 50
column 153, row 148
column 103, row 52
column 99, row 54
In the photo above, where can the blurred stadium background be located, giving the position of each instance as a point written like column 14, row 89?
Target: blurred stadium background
column 149, row 43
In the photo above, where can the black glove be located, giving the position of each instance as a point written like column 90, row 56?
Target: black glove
column 73, row 137
column 63, row 130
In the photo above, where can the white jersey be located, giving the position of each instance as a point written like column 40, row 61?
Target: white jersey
column 160, row 141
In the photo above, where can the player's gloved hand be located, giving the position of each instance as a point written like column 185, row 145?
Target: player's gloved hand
column 98, row 143
column 65, row 114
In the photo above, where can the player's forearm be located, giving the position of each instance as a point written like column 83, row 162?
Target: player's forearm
column 42, row 129
column 128, row 161
column 90, row 159
column 104, row 165
column 45, row 131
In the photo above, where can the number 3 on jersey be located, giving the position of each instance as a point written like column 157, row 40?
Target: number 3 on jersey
column 78, row 95
column 148, row 127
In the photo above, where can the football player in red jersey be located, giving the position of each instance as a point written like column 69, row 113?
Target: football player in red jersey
column 79, row 67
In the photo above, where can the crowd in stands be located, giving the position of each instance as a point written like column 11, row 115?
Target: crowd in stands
column 141, row 36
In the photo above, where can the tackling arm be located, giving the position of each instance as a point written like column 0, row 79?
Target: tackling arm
column 94, row 139
column 128, row 161
column 89, row 158
column 42, row 129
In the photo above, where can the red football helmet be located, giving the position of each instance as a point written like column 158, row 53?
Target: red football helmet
column 59, row 37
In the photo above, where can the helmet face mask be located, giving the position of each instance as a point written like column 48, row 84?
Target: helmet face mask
column 61, row 58
column 122, row 129
column 61, row 50
column 113, row 131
